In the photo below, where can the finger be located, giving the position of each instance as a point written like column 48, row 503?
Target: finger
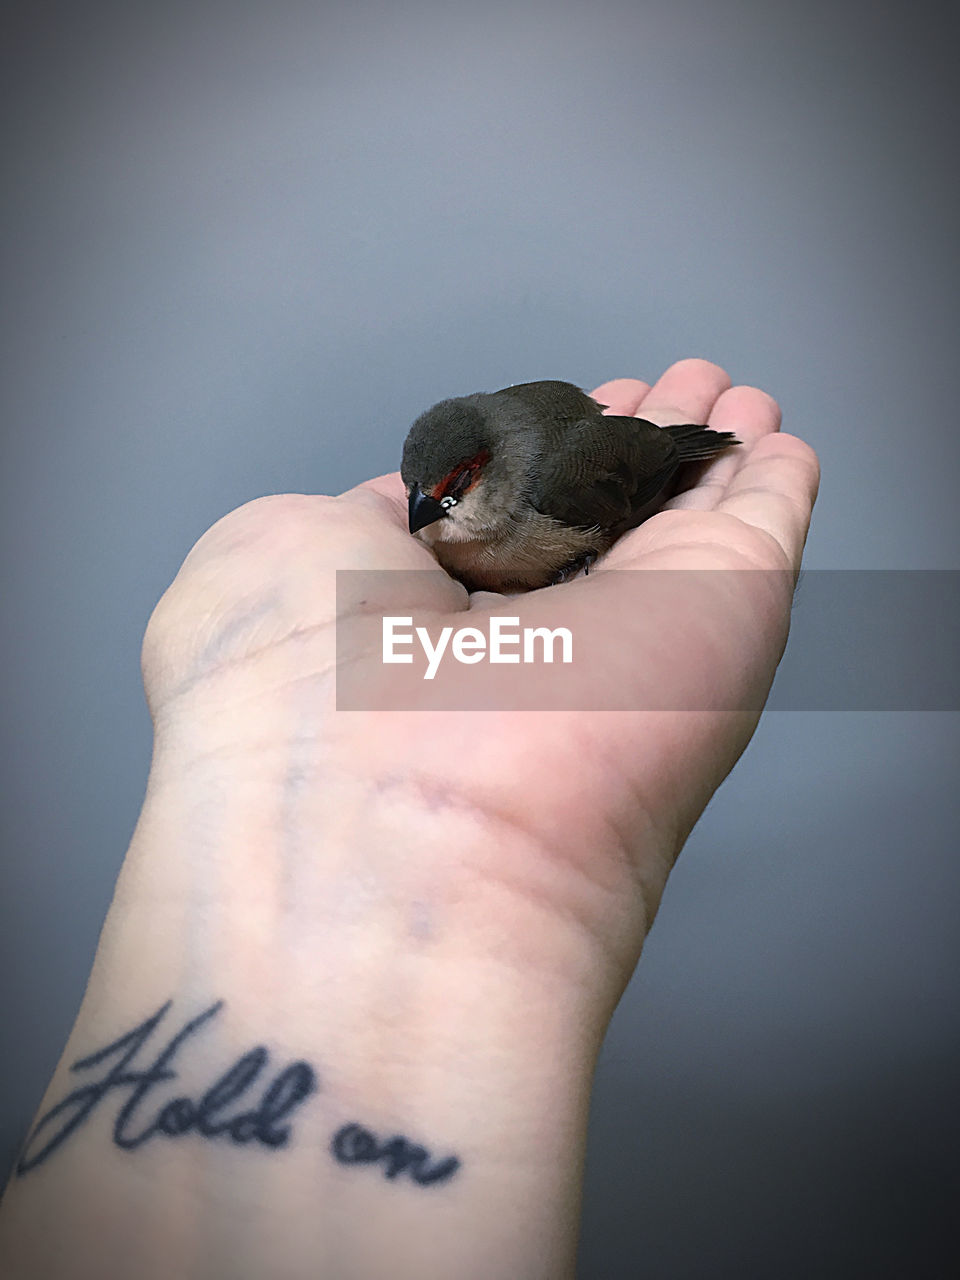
column 687, row 392
column 750, row 414
column 390, row 485
column 746, row 411
column 621, row 396
column 775, row 489
column 390, row 491
column 488, row 600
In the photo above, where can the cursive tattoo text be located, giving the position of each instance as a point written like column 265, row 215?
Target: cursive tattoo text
column 355, row 1145
column 230, row 1110
column 208, row 1116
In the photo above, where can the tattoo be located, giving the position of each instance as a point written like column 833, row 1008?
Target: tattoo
column 355, row 1145
column 179, row 1115
column 211, row 1116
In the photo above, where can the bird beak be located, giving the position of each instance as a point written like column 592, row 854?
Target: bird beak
column 423, row 509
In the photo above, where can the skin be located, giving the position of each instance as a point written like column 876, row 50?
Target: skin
column 438, row 909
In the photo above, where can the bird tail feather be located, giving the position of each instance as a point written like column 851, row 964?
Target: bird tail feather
column 696, row 442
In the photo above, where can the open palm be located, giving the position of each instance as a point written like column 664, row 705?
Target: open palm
column 546, row 835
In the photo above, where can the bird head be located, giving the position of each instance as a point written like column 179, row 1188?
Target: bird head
column 455, row 471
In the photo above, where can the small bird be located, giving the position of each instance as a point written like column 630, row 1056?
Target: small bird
column 524, row 487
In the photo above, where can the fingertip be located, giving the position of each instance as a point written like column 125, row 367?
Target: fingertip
column 698, row 368
column 804, row 456
column 800, row 447
column 748, row 411
column 686, row 392
column 622, row 396
column 760, row 398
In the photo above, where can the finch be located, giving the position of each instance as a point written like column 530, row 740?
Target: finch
column 524, row 487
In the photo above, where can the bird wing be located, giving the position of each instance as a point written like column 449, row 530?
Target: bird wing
column 560, row 400
column 603, row 471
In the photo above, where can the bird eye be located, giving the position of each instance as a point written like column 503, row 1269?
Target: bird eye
column 458, row 482
column 448, row 502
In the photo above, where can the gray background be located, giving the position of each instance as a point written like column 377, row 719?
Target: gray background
column 247, row 243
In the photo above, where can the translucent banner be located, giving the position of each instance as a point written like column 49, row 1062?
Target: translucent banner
column 652, row 640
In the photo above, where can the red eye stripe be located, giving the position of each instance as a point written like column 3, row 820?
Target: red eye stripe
column 462, row 478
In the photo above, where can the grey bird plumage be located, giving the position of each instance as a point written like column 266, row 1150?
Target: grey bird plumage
column 522, row 487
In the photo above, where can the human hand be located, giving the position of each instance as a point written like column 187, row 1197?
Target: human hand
column 426, row 916
column 541, row 839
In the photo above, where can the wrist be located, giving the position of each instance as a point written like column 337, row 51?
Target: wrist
column 299, row 882
column 413, row 978
column 428, row 1057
